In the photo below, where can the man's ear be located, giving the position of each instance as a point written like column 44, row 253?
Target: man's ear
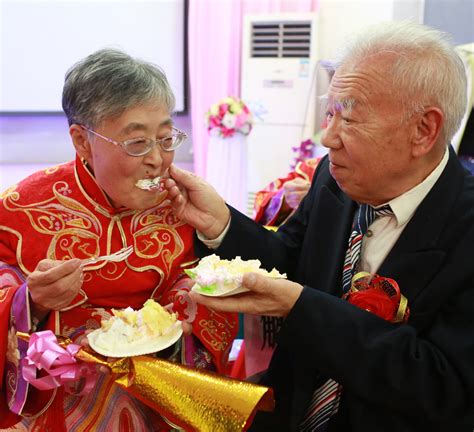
column 81, row 142
column 428, row 129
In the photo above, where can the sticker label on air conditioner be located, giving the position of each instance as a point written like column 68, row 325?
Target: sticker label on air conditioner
column 278, row 83
column 304, row 68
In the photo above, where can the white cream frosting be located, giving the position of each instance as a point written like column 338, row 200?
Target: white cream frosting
column 218, row 277
column 149, row 184
column 129, row 327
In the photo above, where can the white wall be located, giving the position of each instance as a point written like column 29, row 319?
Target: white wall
column 42, row 39
column 339, row 18
column 453, row 16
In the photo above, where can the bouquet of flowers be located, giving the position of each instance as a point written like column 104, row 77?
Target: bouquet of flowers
column 229, row 116
column 303, row 151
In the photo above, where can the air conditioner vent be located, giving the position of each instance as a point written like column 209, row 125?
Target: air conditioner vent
column 283, row 39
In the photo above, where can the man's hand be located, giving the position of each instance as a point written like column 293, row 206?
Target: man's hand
column 295, row 190
column 267, row 296
column 196, row 202
column 54, row 284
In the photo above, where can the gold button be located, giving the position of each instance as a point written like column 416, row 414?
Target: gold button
column 369, row 233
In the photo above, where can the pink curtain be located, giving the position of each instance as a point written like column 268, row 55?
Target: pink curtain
column 214, row 39
column 214, row 63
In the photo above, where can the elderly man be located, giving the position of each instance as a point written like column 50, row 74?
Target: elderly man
column 395, row 101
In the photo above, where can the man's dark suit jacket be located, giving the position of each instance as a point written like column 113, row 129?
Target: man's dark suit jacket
column 396, row 377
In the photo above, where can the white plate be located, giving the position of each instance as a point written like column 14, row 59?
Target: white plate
column 229, row 292
column 148, row 346
column 196, row 288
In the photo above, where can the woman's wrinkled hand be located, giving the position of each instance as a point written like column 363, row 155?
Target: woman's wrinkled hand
column 294, row 191
column 54, row 284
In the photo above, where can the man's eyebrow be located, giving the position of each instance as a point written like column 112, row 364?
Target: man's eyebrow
column 346, row 104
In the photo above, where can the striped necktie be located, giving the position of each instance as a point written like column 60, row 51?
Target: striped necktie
column 363, row 218
column 325, row 400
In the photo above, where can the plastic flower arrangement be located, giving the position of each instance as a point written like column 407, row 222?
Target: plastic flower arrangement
column 228, row 117
column 304, row 151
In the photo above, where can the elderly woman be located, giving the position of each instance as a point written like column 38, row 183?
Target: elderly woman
column 119, row 113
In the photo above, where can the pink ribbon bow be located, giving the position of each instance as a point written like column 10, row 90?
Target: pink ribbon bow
column 44, row 352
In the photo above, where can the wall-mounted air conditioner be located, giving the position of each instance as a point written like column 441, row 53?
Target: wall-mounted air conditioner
column 278, row 82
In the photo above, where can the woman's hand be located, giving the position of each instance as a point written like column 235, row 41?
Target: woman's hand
column 294, row 191
column 53, row 285
column 196, row 202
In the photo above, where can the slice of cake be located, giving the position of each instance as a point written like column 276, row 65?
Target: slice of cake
column 149, row 184
column 216, row 277
column 131, row 330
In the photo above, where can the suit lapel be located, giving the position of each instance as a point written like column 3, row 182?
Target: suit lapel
column 416, row 256
column 328, row 239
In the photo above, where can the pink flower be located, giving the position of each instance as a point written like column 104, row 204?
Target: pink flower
column 223, row 109
column 229, row 116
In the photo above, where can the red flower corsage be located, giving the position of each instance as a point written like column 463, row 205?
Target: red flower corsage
column 380, row 296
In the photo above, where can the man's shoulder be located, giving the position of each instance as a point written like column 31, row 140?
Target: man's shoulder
column 464, row 205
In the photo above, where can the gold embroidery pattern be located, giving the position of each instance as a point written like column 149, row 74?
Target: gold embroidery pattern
column 51, row 170
column 13, row 354
column 103, row 314
column 111, row 271
column 217, row 333
column 75, row 230
column 155, row 234
column 3, row 294
column 12, row 384
column 7, row 192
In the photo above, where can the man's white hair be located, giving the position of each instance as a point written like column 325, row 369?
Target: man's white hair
column 426, row 71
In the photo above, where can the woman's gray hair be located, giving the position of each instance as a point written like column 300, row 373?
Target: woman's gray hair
column 427, row 70
column 107, row 82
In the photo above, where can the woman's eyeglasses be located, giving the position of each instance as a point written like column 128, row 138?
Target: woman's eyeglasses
column 142, row 146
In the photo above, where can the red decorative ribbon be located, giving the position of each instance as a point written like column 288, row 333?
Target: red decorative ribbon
column 45, row 353
column 380, row 296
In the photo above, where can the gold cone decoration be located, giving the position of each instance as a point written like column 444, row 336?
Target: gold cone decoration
column 196, row 400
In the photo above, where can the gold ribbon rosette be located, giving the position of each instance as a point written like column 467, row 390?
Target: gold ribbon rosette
column 192, row 399
column 380, row 296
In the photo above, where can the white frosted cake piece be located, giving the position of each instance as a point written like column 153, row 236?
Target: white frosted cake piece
column 149, row 184
column 134, row 332
column 219, row 277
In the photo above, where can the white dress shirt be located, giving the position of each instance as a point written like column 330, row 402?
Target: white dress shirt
column 385, row 230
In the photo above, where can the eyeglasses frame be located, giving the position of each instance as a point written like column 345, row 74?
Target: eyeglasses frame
column 175, row 132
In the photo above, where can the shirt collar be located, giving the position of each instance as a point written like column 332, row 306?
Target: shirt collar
column 405, row 205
